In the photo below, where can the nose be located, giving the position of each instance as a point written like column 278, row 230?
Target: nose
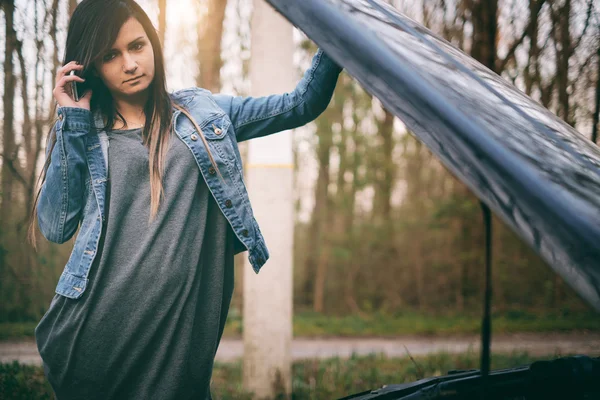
column 129, row 64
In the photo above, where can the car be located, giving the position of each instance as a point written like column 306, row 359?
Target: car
column 533, row 170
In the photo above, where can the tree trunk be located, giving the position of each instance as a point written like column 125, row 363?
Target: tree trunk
column 27, row 132
column 321, row 272
column 9, row 152
column 356, row 159
column 162, row 20
column 356, row 162
column 385, row 177
column 532, row 63
column 341, row 201
column 317, row 260
column 563, row 48
column 210, row 31
column 485, row 26
column 55, row 60
column 72, row 5
column 39, row 118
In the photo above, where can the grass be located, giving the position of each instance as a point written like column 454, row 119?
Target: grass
column 314, row 325
column 381, row 325
column 311, row 379
column 17, row 330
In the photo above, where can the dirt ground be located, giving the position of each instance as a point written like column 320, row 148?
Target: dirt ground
column 231, row 349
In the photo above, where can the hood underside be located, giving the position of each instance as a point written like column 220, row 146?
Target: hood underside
column 532, row 169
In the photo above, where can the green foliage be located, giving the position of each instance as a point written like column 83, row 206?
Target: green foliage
column 379, row 324
column 413, row 323
column 337, row 377
column 311, row 379
column 27, row 278
column 17, row 330
column 23, row 382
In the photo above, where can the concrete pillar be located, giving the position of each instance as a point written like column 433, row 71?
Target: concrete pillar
column 268, row 295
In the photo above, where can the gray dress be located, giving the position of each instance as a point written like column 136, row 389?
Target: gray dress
column 150, row 321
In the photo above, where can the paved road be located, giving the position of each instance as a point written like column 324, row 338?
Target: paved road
column 232, row 349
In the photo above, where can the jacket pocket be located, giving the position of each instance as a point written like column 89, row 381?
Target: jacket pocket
column 216, row 130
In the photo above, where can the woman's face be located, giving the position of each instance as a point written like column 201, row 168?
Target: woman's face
column 128, row 67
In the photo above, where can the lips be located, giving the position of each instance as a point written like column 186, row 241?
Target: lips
column 133, row 79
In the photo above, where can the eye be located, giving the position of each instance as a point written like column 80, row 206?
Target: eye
column 138, row 46
column 108, row 57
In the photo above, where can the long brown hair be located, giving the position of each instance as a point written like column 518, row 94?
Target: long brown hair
column 93, row 28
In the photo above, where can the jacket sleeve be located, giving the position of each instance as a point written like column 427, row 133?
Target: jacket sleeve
column 254, row 117
column 60, row 201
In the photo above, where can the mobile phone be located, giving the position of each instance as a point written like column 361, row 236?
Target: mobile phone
column 74, row 87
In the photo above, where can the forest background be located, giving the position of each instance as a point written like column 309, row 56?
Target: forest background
column 387, row 241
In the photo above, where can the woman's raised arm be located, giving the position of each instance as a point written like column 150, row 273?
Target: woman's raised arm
column 60, row 201
column 254, row 117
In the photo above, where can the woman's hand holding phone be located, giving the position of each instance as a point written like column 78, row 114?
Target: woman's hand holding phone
column 63, row 92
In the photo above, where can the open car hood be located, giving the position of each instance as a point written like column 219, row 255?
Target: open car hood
column 532, row 169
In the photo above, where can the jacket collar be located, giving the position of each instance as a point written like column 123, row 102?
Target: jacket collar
column 182, row 97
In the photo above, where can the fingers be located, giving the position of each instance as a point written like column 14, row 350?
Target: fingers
column 62, row 91
column 69, row 78
column 68, row 67
column 61, row 84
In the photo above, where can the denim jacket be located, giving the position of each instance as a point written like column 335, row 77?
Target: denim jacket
column 73, row 194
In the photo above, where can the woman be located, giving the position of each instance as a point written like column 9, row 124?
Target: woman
column 141, row 304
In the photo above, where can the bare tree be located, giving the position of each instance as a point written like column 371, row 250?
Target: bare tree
column 53, row 30
column 385, row 176
column 72, row 5
column 319, row 241
column 531, row 32
column 210, row 32
column 27, row 131
column 485, row 27
column 9, row 150
column 162, row 20
column 563, row 49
